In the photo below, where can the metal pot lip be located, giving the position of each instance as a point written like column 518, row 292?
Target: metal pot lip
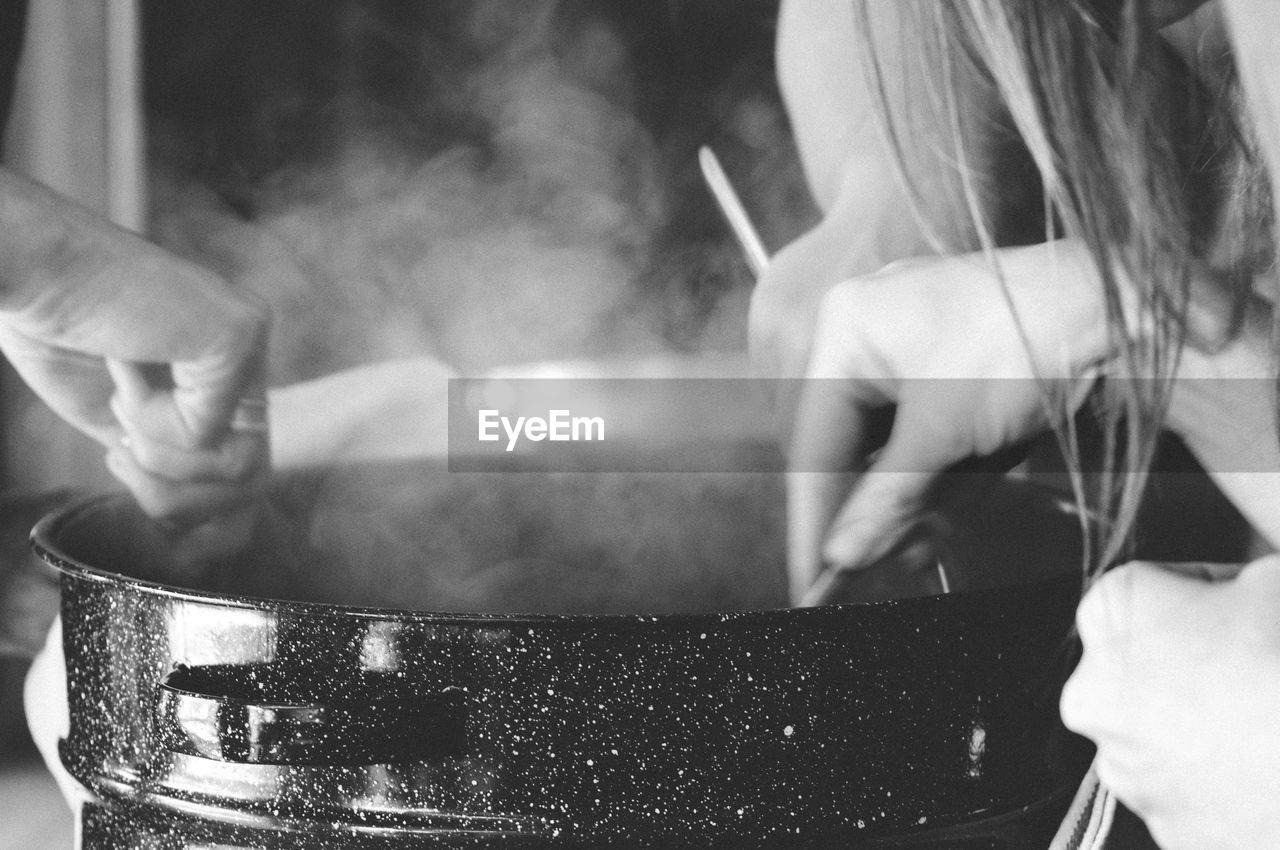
column 44, row 536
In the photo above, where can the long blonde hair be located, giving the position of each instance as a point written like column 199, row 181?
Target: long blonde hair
column 1136, row 158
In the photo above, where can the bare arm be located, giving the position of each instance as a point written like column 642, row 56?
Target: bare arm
column 1224, row 406
column 826, row 93
column 868, row 218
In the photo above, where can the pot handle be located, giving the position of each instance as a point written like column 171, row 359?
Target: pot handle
column 253, row 714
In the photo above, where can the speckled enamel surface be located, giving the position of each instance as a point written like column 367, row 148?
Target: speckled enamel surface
column 750, row 728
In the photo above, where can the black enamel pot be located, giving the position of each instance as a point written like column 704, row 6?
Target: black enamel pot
column 337, row 689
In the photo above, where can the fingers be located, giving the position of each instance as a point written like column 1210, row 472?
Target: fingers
column 172, row 473
column 877, row 518
column 207, row 389
column 882, row 513
column 915, row 568
column 1117, row 695
column 1130, row 624
column 1178, row 686
column 812, row 500
column 1135, row 599
column 179, row 503
column 162, row 443
column 74, row 385
column 839, row 418
column 832, row 428
column 934, row 343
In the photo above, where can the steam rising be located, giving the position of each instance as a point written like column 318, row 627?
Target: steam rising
column 530, row 234
column 539, row 219
column 553, row 543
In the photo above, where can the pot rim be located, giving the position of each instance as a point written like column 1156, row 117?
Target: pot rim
column 44, row 536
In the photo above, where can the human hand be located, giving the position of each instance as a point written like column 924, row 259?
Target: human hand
column 936, row 339
column 146, row 353
column 868, row 225
column 1178, row 687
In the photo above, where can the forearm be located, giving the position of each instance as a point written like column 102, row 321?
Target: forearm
column 48, row 241
column 68, row 277
column 1224, row 406
column 52, row 248
column 1224, row 409
column 841, row 112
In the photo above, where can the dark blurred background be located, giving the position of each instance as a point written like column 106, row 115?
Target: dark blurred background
column 578, row 118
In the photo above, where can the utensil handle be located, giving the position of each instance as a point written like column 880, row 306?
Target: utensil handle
column 735, row 214
column 232, row 713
